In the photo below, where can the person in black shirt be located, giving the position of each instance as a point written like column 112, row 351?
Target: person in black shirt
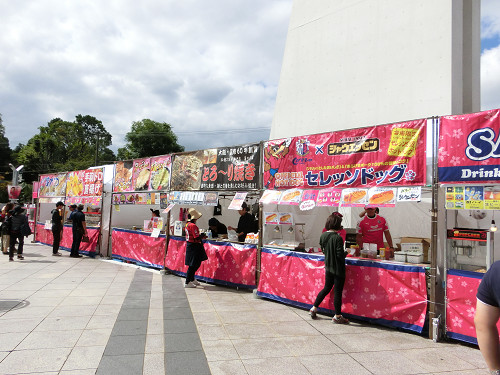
column 216, row 227
column 246, row 223
column 57, row 227
column 79, row 230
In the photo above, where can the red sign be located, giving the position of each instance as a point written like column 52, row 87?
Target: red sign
column 467, row 234
column 386, row 155
column 14, row 192
column 86, row 183
column 469, row 148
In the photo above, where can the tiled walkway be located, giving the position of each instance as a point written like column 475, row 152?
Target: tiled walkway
column 60, row 315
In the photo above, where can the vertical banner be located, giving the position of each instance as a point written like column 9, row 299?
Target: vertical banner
column 469, row 148
column 160, row 172
column 140, row 174
column 123, row 176
column 386, row 155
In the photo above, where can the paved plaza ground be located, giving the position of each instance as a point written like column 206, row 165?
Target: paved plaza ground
column 68, row 316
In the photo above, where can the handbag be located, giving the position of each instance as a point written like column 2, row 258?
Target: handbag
column 85, row 239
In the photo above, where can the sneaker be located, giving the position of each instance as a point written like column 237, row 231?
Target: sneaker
column 340, row 320
column 20, row 257
column 313, row 314
column 195, row 282
column 56, row 254
column 11, row 259
column 76, row 256
column 189, row 285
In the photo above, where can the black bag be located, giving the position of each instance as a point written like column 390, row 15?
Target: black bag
column 85, row 239
column 25, row 230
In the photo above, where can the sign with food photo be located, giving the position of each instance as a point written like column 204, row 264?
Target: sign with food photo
column 329, row 197
column 123, row 176
column 231, row 168
column 271, row 218
column 140, row 174
column 385, row 155
column 186, row 171
column 292, row 196
column 382, row 197
column 160, row 172
column 85, row 183
column 354, row 197
column 52, row 185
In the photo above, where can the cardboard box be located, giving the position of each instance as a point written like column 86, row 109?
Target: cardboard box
column 416, row 245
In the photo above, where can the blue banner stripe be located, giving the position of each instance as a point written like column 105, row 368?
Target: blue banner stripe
column 477, row 173
column 474, row 275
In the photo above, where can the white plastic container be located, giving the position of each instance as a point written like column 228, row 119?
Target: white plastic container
column 399, row 256
column 415, row 257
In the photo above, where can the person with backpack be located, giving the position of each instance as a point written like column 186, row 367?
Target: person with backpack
column 18, row 228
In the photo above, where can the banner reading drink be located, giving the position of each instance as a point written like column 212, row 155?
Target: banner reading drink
column 386, row 155
column 469, row 148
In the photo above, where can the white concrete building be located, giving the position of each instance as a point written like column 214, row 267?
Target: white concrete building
column 356, row 63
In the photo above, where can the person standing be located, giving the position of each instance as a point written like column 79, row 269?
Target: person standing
column 5, row 227
column 372, row 228
column 195, row 253
column 332, row 246
column 79, row 230
column 57, row 227
column 487, row 316
column 16, row 221
column 246, row 223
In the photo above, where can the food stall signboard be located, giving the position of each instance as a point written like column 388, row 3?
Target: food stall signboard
column 270, row 197
column 140, row 174
column 329, row 197
column 85, row 183
column 386, row 155
column 160, row 172
column 52, row 185
column 467, row 234
column 354, row 197
column 382, row 197
column 123, row 176
column 468, row 148
column 237, row 201
column 454, row 197
column 409, row 194
column 291, row 197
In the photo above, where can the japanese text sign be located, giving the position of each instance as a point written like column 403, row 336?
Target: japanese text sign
column 86, row 183
column 386, row 155
column 52, row 185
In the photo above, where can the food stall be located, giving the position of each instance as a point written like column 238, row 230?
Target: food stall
column 208, row 180
column 383, row 166
column 78, row 187
column 470, row 184
column 140, row 186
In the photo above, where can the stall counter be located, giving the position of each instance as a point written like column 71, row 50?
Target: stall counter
column 138, row 247
column 89, row 248
column 383, row 292
column 229, row 263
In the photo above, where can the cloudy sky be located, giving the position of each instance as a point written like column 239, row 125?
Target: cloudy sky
column 209, row 68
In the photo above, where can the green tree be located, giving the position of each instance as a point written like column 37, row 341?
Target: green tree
column 65, row 146
column 149, row 138
column 5, row 159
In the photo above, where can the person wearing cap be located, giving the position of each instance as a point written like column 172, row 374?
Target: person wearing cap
column 372, row 228
column 216, row 227
column 246, row 223
column 487, row 316
column 195, row 253
column 57, row 227
column 79, row 230
column 16, row 221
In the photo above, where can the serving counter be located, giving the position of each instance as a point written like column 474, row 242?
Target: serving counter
column 138, row 247
column 229, row 263
column 45, row 236
column 383, row 292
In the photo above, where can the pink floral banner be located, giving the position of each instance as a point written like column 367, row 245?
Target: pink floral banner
column 228, row 263
column 45, row 236
column 461, row 306
column 388, row 294
column 138, row 247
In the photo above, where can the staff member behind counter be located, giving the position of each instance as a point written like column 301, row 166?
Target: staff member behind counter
column 372, row 228
column 216, row 227
column 246, row 223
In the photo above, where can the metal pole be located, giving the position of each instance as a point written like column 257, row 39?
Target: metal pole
column 96, row 149
column 434, row 226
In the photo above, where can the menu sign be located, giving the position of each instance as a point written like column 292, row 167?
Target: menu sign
column 160, row 172
column 454, row 198
column 86, row 183
column 141, row 174
column 123, row 176
column 52, row 185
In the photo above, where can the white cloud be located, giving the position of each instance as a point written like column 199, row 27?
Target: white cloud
column 490, row 79
column 198, row 65
column 490, row 19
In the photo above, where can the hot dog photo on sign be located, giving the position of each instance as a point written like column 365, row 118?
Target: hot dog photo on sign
column 382, row 197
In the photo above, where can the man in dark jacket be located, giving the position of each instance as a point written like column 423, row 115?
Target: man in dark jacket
column 16, row 221
column 79, row 230
column 57, row 227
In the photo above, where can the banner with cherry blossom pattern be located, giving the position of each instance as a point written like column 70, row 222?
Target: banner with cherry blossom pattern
column 469, row 148
column 228, row 263
column 385, row 155
column 138, row 247
column 45, row 236
column 461, row 290
column 387, row 294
